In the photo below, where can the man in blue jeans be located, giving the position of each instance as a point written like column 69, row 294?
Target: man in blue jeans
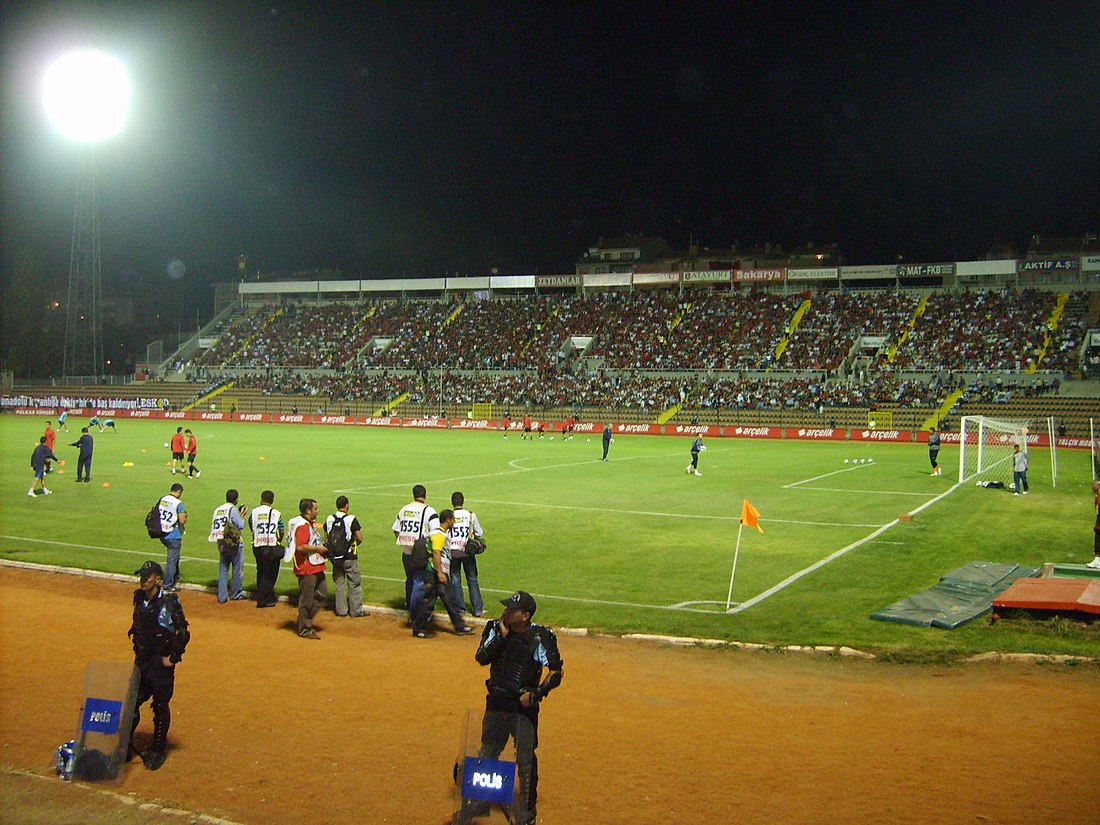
column 465, row 526
column 1019, row 470
column 173, row 523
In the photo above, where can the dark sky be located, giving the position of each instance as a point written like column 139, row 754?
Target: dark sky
column 428, row 138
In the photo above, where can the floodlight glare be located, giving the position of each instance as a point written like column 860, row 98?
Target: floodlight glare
column 86, row 95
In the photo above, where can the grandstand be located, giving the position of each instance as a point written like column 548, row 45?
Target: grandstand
column 788, row 354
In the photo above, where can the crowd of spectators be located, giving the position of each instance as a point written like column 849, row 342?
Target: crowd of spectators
column 1064, row 350
column 725, row 331
column 815, row 395
column 835, row 320
column 983, row 330
column 520, row 342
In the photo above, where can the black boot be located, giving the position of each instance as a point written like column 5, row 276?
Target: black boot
column 158, row 751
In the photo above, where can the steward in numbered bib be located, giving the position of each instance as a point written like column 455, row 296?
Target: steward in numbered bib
column 268, row 535
column 226, row 526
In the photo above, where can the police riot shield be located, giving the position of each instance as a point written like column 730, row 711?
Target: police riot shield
column 106, row 714
column 493, row 768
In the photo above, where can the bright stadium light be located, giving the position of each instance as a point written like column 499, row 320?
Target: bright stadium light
column 86, row 95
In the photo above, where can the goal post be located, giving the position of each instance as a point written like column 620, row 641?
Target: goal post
column 985, row 448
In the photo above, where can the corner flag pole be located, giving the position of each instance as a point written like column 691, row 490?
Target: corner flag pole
column 733, row 572
column 750, row 516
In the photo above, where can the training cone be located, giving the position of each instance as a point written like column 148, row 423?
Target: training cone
column 127, row 464
column 62, row 462
column 61, row 472
column 263, row 458
column 106, row 484
column 144, row 450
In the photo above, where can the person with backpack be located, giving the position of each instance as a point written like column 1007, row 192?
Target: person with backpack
column 343, row 536
column 415, row 520
column 173, row 523
column 432, row 565
column 226, row 528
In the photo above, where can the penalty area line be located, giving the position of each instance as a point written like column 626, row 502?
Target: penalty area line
column 825, row 475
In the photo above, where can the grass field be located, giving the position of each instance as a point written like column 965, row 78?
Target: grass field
column 630, row 545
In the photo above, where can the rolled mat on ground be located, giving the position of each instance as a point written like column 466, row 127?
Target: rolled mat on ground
column 959, row 597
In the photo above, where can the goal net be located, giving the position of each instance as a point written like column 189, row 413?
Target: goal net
column 985, row 448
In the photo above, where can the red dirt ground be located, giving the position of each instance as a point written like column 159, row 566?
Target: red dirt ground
column 363, row 725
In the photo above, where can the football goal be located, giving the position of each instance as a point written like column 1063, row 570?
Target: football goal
column 985, row 448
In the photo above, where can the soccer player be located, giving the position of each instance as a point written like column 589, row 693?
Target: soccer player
column 62, row 417
column 38, row 465
column 1095, row 563
column 177, row 449
column 51, row 437
column 934, row 451
column 192, row 449
column 607, row 440
column 697, row 446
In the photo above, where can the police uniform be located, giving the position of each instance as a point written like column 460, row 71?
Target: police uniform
column 516, row 663
column 159, row 630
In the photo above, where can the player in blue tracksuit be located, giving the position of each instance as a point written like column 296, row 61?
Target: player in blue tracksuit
column 38, row 465
column 84, row 462
column 606, row 440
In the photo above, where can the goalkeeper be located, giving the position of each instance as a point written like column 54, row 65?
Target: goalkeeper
column 697, row 446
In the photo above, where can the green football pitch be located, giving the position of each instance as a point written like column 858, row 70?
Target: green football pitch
column 633, row 544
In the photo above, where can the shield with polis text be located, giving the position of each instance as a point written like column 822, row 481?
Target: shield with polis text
column 106, row 713
column 493, row 768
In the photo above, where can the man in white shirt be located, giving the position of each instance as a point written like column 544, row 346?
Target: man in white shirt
column 415, row 520
column 465, row 526
column 268, row 535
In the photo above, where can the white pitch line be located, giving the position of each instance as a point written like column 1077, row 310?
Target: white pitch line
column 826, row 475
column 160, row 548
column 861, row 492
column 771, row 591
column 513, row 471
column 652, row 513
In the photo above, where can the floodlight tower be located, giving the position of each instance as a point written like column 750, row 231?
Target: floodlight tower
column 85, row 94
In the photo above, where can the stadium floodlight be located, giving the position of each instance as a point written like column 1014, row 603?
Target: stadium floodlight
column 85, row 94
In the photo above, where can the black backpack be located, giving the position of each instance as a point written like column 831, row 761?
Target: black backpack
column 421, row 552
column 337, row 540
column 152, row 522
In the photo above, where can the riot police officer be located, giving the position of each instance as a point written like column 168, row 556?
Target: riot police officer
column 516, row 652
column 160, row 635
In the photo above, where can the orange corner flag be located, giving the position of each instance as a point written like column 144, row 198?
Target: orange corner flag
column 750, row 516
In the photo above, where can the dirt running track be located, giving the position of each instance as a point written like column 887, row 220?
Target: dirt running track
column 362, row 726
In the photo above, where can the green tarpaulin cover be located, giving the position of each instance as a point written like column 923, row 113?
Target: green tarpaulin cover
column 958, row 597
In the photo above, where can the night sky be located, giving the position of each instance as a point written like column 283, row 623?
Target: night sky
column 403, row 138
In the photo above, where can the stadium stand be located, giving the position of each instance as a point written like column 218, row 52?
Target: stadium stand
column 806, row 358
